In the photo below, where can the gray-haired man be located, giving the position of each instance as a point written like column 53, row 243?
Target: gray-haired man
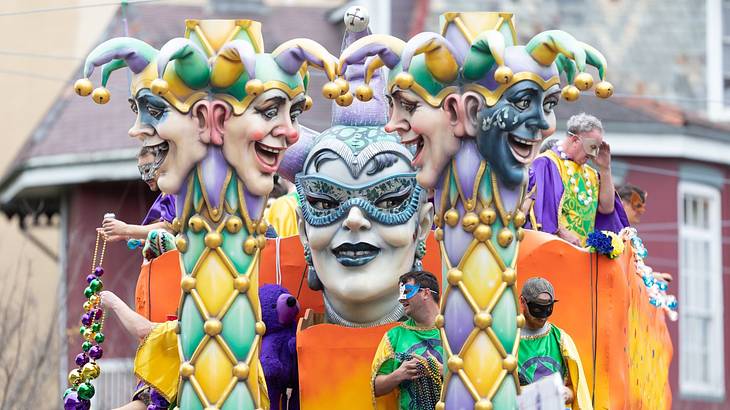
column 568, row 197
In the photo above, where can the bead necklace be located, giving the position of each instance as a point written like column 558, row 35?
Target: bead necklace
column 80, row 392
column 572, row 169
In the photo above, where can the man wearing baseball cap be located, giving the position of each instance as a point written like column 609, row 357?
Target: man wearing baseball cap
column 546, row 349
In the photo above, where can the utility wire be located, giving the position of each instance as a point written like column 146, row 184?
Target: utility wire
column 81, row 6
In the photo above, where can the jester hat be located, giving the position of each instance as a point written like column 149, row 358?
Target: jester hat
column 428, row 64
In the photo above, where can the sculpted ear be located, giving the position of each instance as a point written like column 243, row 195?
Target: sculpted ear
column 452, row 106
column 201, row 113
column 302, row 231
column 471, row 104
column 220, row 112
column 425, row 221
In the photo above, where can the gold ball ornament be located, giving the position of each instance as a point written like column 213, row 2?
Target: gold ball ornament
column 242, row 283
column 254, row 87
column 570, row 93
column 188, row 283
column 455, row 363
column 520, row 320
column 187, row 369
column 181, row 243
column 470, row 222
column 213, row 240
column 520, row 234
column 482, row 320
column 438, row 234
column 262, row 227
column 583, row 81
column 90, row 371
column 213, row 327
column 483, row 233
column 101, row 95
column 404, row 80
column 308, row 103
column 331, row 90
column 343, row 84
column 364, row 93
column 249, row 245
column 483, row 404
column 509, row 276
column 488, row 216
column 83, row 87
column 509, row 363
column 604, row 89
column 240, row 371
column 519, row 219
column 503, row 75
column 451, row 217
column 261, row 241
column 440, row 406
column 196, row 223
column 505, row 237
column 234, row 224
column 74, row 377
column 176, row 225
column 260, row 328
column 454, row 276
column 159, row 86
column 345, row 100
column 439, row 321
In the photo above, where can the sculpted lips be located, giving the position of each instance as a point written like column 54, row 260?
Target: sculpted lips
column 268, row 157
column 357, row 254
column 419, row 143
column 524, row 150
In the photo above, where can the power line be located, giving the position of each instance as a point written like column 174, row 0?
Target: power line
column 83, row 6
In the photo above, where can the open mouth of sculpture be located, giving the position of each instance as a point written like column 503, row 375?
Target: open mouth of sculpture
column 523, row 150
column 160, row 152
column 419, row 143
column 357, row 254
column 268, row 157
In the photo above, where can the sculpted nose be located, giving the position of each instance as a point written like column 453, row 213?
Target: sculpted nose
column 537, row 122
column 397, row 124
column 288, row 131
column 141, row 130
column 356, row 220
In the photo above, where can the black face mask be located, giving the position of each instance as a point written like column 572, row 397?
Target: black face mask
column 540, row 311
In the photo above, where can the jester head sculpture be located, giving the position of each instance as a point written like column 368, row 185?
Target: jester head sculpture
column 363, row 217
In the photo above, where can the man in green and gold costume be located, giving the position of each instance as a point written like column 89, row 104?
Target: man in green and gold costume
column 409, row 359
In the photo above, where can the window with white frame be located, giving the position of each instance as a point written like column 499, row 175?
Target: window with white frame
column 701, row 346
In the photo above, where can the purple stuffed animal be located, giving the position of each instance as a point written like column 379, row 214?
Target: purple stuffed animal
column 278, row 346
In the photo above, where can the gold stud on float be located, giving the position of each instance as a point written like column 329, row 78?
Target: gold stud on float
column 241, row 283
column 571, row 93
column 343, row 84
column 196, row 223
column 308, row 103
column 240, row 371
column 188, row 283
column 213, row 240
column 187, row 370
column 364, row 93
column 438, row 234
column 213, row 327
column 482, row 320
column 181, row 244
column 503, row 75
column 483, row 233
column 262, row 227
column 331, row 90
column 483, row 404
column 604, row 89
column 101, row 95
column 488, row 216
column 520, row 320
column 454, row 276
column 509, row 276
column 505, row 237
column 451, row 217
column 583, row 81
column 509, row 363
column 520, row 234
column 437, row 220
column 176, row 224
column 439, row 321
column 345, row 100
column 83, row 87
column 455, row 363
column 260, row 328
column 520, row 219
column 440, row 406
column 254, row 87
column 249, row 245
column 261, row 241
column 404, row 80
column 470, row 222
column 159, row 86
column 234, row 224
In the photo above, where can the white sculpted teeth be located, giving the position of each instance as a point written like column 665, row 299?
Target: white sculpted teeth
column 270, row 149
column 524, row 141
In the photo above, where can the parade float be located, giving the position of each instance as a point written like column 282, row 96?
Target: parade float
column 224, row 114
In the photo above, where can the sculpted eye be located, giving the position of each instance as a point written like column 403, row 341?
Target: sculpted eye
column 133, row 106
column 522, row 104
column 295, row 113
column 394, row 200
column 548, row 105
column 270, row 113
column 322, row 203
column 155, row 111
column 408, row 106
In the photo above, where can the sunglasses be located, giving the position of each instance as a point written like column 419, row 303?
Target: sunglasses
column 540, row 311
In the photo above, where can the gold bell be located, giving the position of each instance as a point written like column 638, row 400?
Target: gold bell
column 583, row 81
column 503, row 75
column 604, row 89
column 343, row 84
column 571, row 93
column 364, row 93
column 83, row 87
column 101, row 95
column 254, row 87
column 331, row 90
column 159, row 86
column 404, row 80
column 308, row 103
column 344, row 100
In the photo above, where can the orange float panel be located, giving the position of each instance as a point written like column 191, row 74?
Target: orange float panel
column 622, row 339
column 157, row 294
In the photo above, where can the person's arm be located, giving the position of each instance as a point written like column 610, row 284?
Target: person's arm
column 386, row 383
column 607, row 191
column 134, row 323
column 116, row 230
